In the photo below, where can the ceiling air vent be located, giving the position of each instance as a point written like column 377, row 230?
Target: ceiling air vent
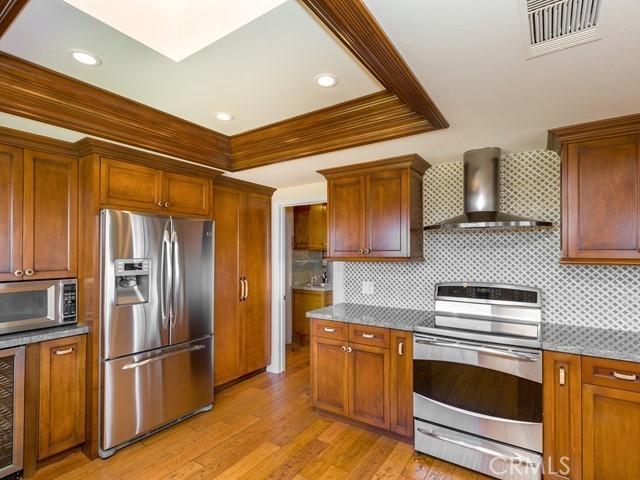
column 552, row 25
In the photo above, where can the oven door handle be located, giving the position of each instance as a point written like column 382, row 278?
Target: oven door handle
column 478, row 448
column 481, row 349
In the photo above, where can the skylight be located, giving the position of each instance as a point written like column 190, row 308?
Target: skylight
column 176, row 28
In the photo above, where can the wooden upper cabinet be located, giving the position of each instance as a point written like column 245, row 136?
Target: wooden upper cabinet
column 50, row 227
column 187, row 194
column 600, row 191
column 375, row 210
column 124, row 184
column 11, row 186
column 138, row 187
column 61, row 418
column 310, row 227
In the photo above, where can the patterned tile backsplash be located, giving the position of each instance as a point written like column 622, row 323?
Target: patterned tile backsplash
column 597, row 296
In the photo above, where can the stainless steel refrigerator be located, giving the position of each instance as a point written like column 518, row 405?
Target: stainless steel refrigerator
column 156, row 338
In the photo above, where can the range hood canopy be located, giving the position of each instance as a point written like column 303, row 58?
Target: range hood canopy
column 481, row 195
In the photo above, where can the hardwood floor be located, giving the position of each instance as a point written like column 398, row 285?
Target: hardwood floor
column 262, row 428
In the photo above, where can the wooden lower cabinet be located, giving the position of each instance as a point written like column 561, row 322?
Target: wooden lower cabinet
column 61, row 413
column 303, row 301
column 364, row 381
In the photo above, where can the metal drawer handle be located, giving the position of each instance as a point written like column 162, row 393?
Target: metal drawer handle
column 623, row 376
column 329, row 330
column 481, row 349
column 142, row 363
column 368, row 335
column 64, row 352
column 478, row 448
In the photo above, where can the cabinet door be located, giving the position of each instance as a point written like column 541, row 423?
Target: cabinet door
column 61, row 419
column 129, row 185
column 346, row 213
column 256, row 251
column 611, row 432
column 301, row 227
column 187, row 194
column 330, row 375
column 50, row 231
column 11, row 184
column 562, row 391
column 401, row 400
column 318, row 226
column 229, row 334
column 369, row 385
column 388, row 213
column 602, row 200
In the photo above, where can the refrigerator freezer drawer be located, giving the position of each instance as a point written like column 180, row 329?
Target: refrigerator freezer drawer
column 145, row 391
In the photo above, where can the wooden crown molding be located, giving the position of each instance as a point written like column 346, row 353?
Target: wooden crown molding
column 413, row 161
column 34, row 92
column 354, row 25
column 376, row 117
column 628, row 124
column 404, row 109
column 249, row 187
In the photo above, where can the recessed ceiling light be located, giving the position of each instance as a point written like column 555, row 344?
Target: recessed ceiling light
column 224, row 116
column 326, row 80
column 86, row 58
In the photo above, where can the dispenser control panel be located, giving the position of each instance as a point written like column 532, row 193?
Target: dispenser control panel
column 130, row 267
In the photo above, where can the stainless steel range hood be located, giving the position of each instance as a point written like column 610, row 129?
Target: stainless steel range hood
column 481, row 195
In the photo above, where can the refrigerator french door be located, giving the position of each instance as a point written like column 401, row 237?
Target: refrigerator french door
column 156, row 339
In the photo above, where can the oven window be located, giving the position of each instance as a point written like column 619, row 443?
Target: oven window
column 15, row 306
column 479, row 390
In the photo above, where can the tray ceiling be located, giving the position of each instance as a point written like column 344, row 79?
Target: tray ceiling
column 261, row 73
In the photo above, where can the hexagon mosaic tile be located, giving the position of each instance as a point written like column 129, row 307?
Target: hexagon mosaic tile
column 597, row 296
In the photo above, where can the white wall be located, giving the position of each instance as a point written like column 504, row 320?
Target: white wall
column 284, row 197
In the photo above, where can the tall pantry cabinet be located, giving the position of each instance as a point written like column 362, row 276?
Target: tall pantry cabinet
column 242, row 212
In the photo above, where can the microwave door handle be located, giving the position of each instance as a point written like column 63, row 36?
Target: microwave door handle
column 481, row 349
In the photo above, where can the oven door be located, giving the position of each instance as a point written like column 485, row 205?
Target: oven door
column 29, row 305
column 484, row 389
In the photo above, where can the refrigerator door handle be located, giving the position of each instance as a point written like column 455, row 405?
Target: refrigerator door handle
column 165, row 277
column 146, row 361
column 167, row 302
column 175, row 284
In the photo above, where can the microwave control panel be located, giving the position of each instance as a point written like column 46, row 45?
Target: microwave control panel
column 69, row 303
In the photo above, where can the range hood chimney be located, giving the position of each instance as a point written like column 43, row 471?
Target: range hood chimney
column 481, row 196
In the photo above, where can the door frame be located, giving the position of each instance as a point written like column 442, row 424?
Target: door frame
column 283, row 198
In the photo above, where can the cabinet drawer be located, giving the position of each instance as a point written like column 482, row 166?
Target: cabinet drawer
column 367, row 335
column 611, row 373
column 329, row 329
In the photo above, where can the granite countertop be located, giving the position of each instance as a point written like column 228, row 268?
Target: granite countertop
column 580, row 340
column 313, row 288
column 386, row 317
column 44, row 334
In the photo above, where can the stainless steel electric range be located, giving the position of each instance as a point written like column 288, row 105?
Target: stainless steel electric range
column 477, row 385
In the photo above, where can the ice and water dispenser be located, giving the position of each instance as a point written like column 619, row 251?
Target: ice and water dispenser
column 132, row 281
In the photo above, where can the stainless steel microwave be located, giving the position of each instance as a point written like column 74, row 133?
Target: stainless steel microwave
column 37, row 304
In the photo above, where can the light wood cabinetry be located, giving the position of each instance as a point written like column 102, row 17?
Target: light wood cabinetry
column 375, row 210
column 364, row 373
column 310, row 227
column 242, row 213
column 39, row 215
column 600, row 191
column 140, row 187
column 303, row 301
column 61, row 416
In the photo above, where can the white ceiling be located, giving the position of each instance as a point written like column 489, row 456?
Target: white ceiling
column 261, row 73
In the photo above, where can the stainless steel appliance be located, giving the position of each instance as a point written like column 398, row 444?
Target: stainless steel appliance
column 37, row 304
column 11, row 410
column 156, row 340
column 481, row 196
column 477, row 384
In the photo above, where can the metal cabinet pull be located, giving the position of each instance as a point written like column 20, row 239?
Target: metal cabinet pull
column 562, row 375
column 329, row 330
column 29, row 271
column 160, row 204
column 343, row 348
column 627, row 377
column 246, row 288
column 142, row 363
column 368, row 335
column 18, row 273
column 481, row 349
column 367, row 251
column 349, row 349
column 64, row 352
column 166, row 204
column 361, row 250
column 241, row 289
column 478, row 448
column 401, row 349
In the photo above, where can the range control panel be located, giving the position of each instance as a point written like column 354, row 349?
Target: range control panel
column 487, row 292
column 69, row 303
